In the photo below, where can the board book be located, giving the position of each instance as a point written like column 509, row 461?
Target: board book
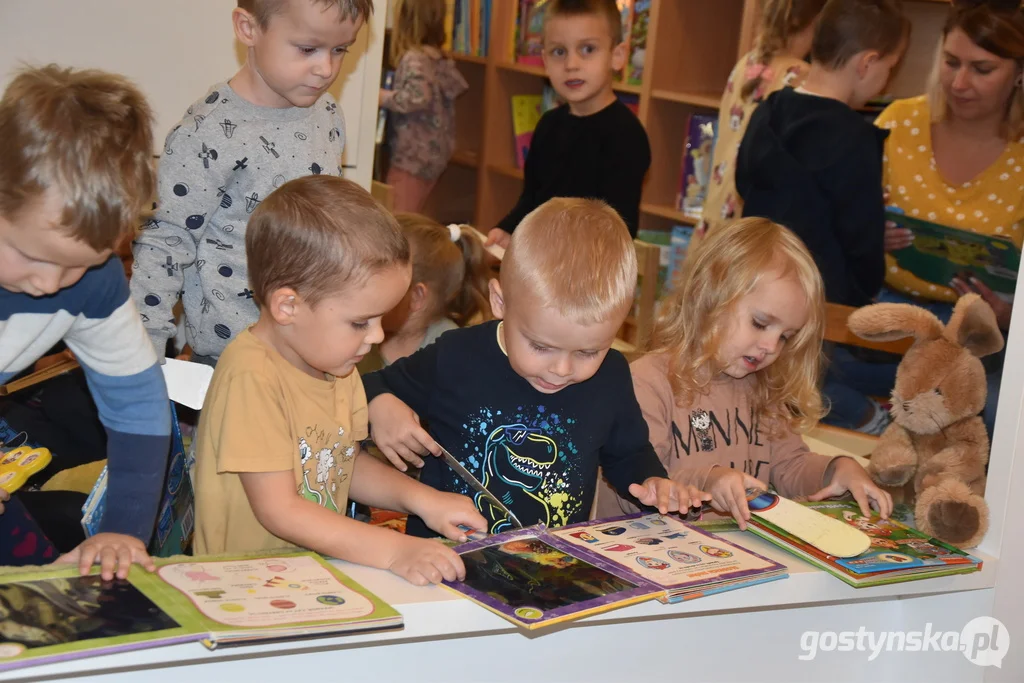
column 898, row 553
column 537, row 577
column 940, row 253
column 53, row 614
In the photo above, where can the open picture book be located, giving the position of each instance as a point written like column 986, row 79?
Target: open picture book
column 897, row 552
column 53, row 614
column 537, row 577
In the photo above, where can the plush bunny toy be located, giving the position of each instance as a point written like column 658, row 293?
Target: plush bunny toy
column 937, row 439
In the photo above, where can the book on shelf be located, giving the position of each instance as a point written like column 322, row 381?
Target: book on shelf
column 526, row 113
column 626, row 17
column 940, row 253
column 679, row 245
column 53, row 614
column 537, row 577
column 698, row 151
column 897, row 552
column 639, row 26
column 528, row 46
column 467, row 27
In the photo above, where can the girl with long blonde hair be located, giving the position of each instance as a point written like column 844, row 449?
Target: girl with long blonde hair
column 733, row 375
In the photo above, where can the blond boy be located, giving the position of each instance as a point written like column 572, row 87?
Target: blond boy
column 271, row 122
column 75, row 176
column 534, row 402
column 592, row 146
column 278, row 445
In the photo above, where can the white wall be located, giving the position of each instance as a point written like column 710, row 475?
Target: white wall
column 174, row 51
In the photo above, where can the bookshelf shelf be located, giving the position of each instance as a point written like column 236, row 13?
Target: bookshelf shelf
column 465, row 158
column 508, row 172
column 523, row 68
column 468, row 59
column 707, row 100
column 669, row 212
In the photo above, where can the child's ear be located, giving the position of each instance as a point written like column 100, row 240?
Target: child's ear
column 419, row 294
column 497, row 299
column 283, row 305
column 620, row 53
column 246, row 26
column 865, row 60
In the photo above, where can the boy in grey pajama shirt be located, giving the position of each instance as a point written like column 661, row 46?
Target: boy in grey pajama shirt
column 272, row 122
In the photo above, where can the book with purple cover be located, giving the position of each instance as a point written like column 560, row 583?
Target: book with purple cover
column 537, row 577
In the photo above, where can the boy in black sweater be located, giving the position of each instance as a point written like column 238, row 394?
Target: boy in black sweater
column 809, row 161
column 534, row 403
column 592, row 146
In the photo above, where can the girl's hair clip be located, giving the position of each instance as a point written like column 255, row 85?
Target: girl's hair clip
column 455, row 231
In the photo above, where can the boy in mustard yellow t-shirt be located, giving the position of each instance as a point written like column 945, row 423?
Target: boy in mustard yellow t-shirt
column 278, row 443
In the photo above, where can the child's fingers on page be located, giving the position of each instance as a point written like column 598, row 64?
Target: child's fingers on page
column 861, row 496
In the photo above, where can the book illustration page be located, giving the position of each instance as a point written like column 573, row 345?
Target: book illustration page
column 61, row 611
column 262, row 592
column 823, row 532
column 533, row 578
column 663, row 549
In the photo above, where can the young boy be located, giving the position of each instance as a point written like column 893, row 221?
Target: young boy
column 273, row 121
column 592, row 146
column 532, row 403
column 278, row 442
column 75, row 176
column 812, row 163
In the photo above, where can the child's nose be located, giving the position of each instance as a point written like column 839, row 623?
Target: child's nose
column 47, row 281
column 562, row 367
column 324, row 66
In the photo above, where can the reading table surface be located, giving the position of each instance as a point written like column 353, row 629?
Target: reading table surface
column 448, row 638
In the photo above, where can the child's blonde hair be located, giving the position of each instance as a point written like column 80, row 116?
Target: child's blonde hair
column 574, row 256
column 85, row 134
column 453, row 270
column 780, row 20
column 727, row 265
column 417, row 23
column 263, row 10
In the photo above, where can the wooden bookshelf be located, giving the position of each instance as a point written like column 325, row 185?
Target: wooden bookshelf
column 692, row 47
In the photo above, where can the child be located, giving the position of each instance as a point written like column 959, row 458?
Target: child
column 449, row 289
column 592, row 146
column 278, row 442
column 273, row 121
column 813, row 164
column 734, row 375
column 422, row 101
column 533, row 403
column 776, row 61
column 75, row 175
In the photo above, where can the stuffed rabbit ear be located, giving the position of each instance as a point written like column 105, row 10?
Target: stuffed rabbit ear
column 888, row 322
column 973, row 326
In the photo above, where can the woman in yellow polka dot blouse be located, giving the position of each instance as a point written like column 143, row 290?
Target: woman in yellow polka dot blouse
column 956, row 156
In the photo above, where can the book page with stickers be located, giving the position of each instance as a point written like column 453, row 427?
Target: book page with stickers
column 670, row 553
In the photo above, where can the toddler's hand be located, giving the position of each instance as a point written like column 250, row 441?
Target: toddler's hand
column 848, row 475
column 110, row 551
column 396, row 430
column 4, row 496
column 422, row 560
column 499, row 237
column 728, row 489
column 667, row 495
column 444, row 512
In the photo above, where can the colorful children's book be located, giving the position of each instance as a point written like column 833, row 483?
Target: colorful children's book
column 530, row 39
column 701, row 135
column 626, row 17
column 526, row 113
column 679, row 244
column 536, row 577
column 897, row 553
column 940, row 253
column 638, row 41
column 55, row 614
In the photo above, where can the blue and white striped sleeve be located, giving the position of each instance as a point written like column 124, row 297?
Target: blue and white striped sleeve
column 127, row 384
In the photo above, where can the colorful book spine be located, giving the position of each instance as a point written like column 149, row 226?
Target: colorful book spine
column 626, row 14
column 702, row 133
column 526, row 113
column 638, row 41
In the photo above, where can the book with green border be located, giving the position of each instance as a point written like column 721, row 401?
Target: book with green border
column 52, row 614
column 898, row 553
column 940, row 253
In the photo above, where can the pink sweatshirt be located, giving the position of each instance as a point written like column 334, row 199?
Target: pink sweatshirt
column 732, row 437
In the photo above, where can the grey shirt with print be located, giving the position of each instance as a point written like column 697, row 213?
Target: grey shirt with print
column 218, row 164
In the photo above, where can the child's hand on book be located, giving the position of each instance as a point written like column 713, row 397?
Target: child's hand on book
column 728, row 488
column 667, row 495
column 422, row 561
column 846, row 474
column 444, row 512
column 110, row 551
column 972, row 285
column 396, row 430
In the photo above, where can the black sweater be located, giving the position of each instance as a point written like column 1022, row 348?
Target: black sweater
column 538, row 453
column 814, row 165
column 601, row 156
